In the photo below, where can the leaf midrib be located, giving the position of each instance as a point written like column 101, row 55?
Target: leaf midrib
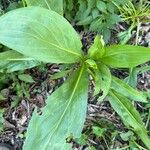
column 43, row 40
column 47, row 4
column 37, row 22
column 59, row 48
column 139, row 124
column 69, row 102
column 122, row 53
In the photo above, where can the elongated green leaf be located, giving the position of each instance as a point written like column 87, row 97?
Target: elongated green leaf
column 103, row 81
column 55, row 5
column 26, row 78
column 41, row 34
column 132, row 78
column 11, row 61
column 125, row 56
column 126, row 90
column 63, row 116
column 60, row 74
column 12, row 56
column 101, row 6
column 11, row 66
column 128, row 113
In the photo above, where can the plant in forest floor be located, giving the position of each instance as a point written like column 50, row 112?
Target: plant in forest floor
column 36, row 33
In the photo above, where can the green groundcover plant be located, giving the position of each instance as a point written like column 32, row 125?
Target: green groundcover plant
column 99, row 16
column 43, row 35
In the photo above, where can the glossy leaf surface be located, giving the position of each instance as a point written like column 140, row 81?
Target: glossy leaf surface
column 125, row 56
column 41, row 34
column 63, row 116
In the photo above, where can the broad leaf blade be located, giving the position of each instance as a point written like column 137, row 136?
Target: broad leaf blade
column 126, row 90
column 125, row 56
column 64, row 115
column 41, row 34
column 128, row 113
column 55, row 5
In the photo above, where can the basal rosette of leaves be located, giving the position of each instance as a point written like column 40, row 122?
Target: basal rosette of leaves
column 40, row 34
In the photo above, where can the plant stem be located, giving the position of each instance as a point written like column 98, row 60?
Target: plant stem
column 148, row 119
column 145, row 138
column 137, row 33
column 24, row 3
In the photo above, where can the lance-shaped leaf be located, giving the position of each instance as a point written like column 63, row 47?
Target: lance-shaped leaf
column 11, row 66
column 12, row 56
column 41, row 34
column 102, row 81
column 129, row 115
column 126, row 90
column 55, row 5
column 125, row 56
column 63, row 116
column 11, row 61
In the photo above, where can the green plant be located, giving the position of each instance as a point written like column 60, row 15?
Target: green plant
column 102, row 131
column 56, row 5
column 44, row 35
column 96, row 15
column 11, row 61
column 133, row 13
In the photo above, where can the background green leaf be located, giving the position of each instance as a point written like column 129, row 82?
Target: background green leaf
column 41, row 34
column 11, row 61
column 129, row 115
column 63, row 116
column 55, row 5
column 103, row 81
column 26, row 78
column 125, row 56
column 126, row 90
column 12, row 56
column 101, row 6
column 11, row 66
